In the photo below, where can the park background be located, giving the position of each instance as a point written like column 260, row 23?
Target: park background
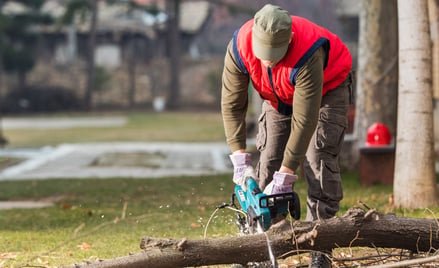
column 154, row 68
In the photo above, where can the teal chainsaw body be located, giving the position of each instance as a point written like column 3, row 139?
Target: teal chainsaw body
column 261, row 208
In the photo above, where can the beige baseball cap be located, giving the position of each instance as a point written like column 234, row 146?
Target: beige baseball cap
column 271, row 33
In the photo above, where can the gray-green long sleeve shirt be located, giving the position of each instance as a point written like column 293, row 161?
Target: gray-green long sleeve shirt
column 306, row 105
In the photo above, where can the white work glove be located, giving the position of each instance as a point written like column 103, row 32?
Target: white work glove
column 281, row 183
column 242, row 169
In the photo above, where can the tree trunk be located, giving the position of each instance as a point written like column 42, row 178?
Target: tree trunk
column 22, row 81
column 91, row 55
column 377, row 74
column 174, row 53
column 433, row 11
column 414, row 176
column 356, row 228
column 132, row 69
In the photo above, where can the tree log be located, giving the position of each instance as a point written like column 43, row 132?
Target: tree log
column 357, row 228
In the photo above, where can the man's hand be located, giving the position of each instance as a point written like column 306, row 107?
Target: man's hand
column 281, row 183
column 242, row 168
column 284, row 169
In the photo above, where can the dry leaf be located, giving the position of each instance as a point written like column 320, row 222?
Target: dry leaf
column 66, row 206
column 195, row 225
column 84, row 246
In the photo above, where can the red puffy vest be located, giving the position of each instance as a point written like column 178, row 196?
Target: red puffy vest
column 307, row 38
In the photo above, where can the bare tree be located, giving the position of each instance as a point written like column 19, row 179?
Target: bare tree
column 91, row 54
column 133, row 58
column 414, row 176
column 433, row 11
column 173, row 9
column 377, row 74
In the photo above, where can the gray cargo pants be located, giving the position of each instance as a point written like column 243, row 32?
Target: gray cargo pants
column 321, row 164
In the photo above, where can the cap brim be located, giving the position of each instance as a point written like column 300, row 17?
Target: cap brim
column 265, row 52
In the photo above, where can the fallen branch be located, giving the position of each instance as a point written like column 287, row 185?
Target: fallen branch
column 356, row 228
column 408, row 263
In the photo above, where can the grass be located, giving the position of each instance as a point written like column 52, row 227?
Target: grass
column 169, row 126
column 110, row 216
column 98, row 218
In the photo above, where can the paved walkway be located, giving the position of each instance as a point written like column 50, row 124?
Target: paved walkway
column 91, row 160
column 60, row 123
column 88, row 160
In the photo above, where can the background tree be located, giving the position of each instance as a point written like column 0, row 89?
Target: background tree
column 91, row 54
column 433, row 12
column 17, row 40
column 414, row 177
column 82, row 8
column 173, row 44
column 377, row 74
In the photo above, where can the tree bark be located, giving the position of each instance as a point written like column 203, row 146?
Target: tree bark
column 433, row 14
column 356, row 228
column 414, row 175
column 377, row 74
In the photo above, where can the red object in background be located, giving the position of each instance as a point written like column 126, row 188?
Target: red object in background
column 378, row 135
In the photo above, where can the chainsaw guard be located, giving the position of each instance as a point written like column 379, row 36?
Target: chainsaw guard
column 294, row 207
column 282, row 204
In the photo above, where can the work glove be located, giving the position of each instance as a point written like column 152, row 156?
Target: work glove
column 242, row 169
column 281, row 183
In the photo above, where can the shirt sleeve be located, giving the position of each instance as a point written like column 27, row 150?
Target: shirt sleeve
column 234, row 101
column 306, row 105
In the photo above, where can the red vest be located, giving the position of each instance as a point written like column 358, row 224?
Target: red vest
column 307, row 38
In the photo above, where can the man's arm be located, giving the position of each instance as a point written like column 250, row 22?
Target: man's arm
column 306, row 105
column 234, row 102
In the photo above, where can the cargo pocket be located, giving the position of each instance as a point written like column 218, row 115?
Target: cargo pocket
column 261, row 137
column 330, row 181
column 330, row 132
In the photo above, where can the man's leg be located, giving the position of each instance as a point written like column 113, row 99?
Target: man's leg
column 274, row 131
column 321, row 166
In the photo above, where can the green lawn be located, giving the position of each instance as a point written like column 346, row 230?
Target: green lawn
column 169, row 126
column 106, row 218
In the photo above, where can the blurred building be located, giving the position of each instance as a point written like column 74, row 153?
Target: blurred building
column 131, row 45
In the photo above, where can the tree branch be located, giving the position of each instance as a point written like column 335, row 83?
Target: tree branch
column 356, row 228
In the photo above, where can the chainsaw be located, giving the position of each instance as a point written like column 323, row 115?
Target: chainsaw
column 260, row 209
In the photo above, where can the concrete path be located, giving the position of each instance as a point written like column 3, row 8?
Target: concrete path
column 61, row 123
column 86, row 161
column 90, row 160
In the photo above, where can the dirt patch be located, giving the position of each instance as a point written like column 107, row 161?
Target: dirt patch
column 130, row 159
column 6, row 162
